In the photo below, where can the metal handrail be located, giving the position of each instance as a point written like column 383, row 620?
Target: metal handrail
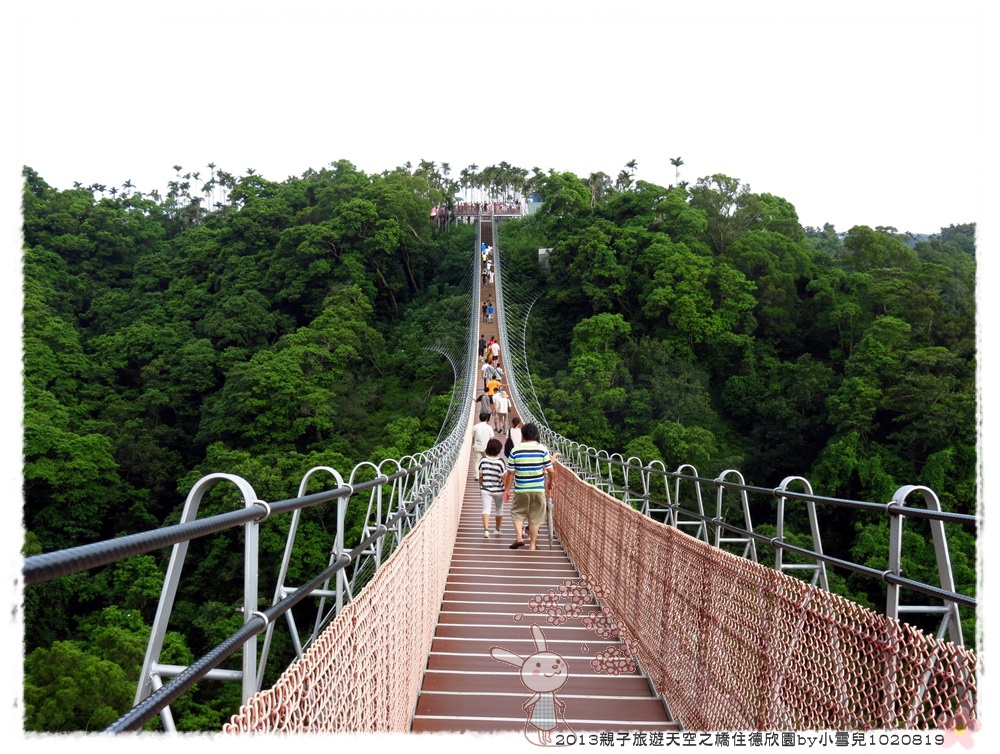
column 582, row 459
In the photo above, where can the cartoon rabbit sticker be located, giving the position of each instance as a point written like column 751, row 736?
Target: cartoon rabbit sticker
column 542, row 673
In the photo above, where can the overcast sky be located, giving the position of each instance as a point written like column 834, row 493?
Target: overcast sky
column 855, row 116
column 870, row 112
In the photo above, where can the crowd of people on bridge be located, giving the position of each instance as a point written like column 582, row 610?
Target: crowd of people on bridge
column 486, row 271
column 518, row 471
column 522, row 477
column 488, row 208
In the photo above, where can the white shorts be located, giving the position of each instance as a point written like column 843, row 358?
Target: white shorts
column 490, row 499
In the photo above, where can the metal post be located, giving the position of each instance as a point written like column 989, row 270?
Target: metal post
column 172, row 578
column 280, row 590
column 951, row 624
column 749, row 545
column 819, row 575
column 701, row 530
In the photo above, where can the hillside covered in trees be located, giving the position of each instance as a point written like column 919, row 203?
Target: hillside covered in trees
column 263, row 328
column 703, row 324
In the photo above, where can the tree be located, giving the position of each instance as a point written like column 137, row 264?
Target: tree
column 825, row 240
column 600, row 185
column 867, row 250
column 701, row 300
column 594, row 265
column 677, row 162
column 730, row 209
column 566, row 196
column 294, row 395
column 67, row 689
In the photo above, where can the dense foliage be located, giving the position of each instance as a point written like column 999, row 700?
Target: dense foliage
column 703, row 324
column 284, row 327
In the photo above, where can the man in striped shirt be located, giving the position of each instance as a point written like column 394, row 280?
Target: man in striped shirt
column 530, row 469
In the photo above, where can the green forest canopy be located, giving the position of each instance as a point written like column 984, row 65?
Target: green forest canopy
column 263, row 328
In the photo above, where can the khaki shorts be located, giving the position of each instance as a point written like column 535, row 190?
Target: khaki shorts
column 529, row 506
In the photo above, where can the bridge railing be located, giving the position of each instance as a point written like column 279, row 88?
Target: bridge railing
column 677, row 498
column 487, row 208
column 430, row 475
column 363, row 672
column 731, row 644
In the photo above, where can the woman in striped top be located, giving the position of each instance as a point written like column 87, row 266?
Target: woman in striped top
column 491, row 471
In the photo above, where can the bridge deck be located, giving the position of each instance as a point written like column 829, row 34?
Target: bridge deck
column 486, row 605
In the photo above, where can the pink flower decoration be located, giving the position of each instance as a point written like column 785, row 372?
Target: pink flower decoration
column 959, row 729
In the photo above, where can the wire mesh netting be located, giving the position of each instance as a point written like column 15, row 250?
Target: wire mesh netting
column 734, row 645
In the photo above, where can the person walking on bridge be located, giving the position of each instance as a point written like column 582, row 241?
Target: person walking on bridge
column 485, row 401
column 491, row 389
column 513, row 437
column 487, row 370
column 530, row 474
column 482, row 433
column 501, row 407
column 491, row 470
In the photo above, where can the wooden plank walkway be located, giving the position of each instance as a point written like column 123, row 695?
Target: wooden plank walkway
column 486, row 605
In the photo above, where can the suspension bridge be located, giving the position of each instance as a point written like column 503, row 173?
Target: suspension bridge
column 644, row 611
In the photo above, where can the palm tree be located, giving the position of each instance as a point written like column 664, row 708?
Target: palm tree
column 534, row 184
column 599, row 183
column 425, row 168
column 505, row 179
column 520, row 183
column 209, row 188
column 463, row 176
column 677, row 162
column 473, row 175
column 631, row 167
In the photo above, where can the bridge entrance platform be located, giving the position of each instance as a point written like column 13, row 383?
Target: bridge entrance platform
column 487, row 604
